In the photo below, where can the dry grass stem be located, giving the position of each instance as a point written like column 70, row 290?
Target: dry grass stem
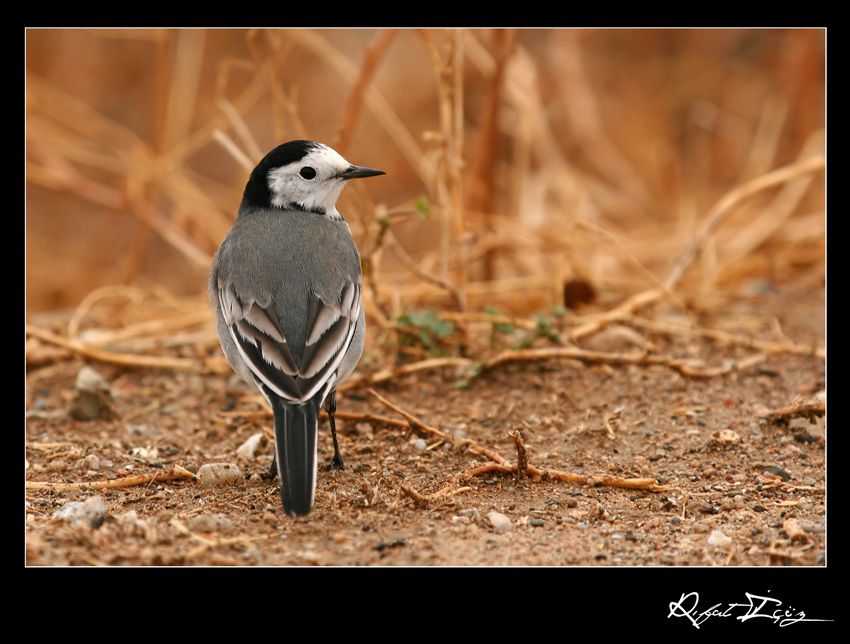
column 521, row 455
column 500, row 464
column 176, row 472
column 375, row 52
column 809, row 408
column 127, row 360
column 732, row 198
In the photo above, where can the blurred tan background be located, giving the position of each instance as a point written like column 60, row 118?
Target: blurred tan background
column 517, row 160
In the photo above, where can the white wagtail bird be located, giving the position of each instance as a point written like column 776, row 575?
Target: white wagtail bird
column 286, row 288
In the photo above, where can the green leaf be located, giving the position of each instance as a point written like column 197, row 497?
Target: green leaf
column 526, row 343
column 544, row 328
column 499, row 327
column 422, row 207
column 428, row 329
column 544, row 324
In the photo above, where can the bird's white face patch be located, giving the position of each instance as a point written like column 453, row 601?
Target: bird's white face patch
column 288, row 185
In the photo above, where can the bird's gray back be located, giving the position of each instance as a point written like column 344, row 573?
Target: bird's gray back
column 280, row 256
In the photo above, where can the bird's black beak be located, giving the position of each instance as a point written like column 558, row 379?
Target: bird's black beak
column 359, row 172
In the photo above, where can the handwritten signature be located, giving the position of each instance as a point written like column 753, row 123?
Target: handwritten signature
column 756, row 606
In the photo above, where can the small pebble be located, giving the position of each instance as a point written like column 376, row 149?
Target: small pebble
column 251, row 447
column 91, row 512
column 616, row 338
column 815, row 527
column 363, row 429
column 717, row 538
column 383, row 545
column 536, row 523
column 214, row 474
column 795, row 531
column 210, row 523
column 500, row 522
column 141, row 431
column 805, row 437
column 705, row 508
column 90, row 380
column 472, row 513
column 145, row 453
column 724, row 438
column 92, row 399
column 59, row 465
column 92, row 462
column 419, row 443
column 700, row 527
column 459, row 519
column 780, row 472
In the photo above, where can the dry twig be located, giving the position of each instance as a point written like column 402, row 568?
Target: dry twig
column 501, row 465
column 441, row 494
column 810, row 408
column 124, row 359
column 685, row 367
column 177, row 472
column 732, row 198
column 375, row 52
column 521, row 454
column 724, row 337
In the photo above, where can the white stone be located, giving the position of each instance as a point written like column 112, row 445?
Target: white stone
column 717, row 538
column 251, row 447
column 500, row 522
column 215, row 474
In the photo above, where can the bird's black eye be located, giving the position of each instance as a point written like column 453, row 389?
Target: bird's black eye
column 307, row 172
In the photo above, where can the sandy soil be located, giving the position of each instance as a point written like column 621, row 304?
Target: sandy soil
column 746, row 491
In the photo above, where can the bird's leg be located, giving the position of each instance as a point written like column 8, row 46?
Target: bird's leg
column 271, row 475
column 330, row 407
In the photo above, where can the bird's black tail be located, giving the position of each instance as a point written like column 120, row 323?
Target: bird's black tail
column 295, row 429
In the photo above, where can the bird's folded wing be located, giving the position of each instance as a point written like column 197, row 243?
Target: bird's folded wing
column 259, row 337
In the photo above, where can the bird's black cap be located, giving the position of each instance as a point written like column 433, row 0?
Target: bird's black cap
column 257, row 189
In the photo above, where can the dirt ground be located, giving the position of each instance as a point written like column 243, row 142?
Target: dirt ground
column 746, row 491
